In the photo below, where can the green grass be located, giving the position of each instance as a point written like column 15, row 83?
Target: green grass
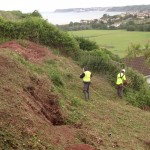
column 117, row 41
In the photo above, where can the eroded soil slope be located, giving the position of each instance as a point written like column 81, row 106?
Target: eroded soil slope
column 31, row 117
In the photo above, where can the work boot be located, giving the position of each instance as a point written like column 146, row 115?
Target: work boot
column 88, row 95
column 85, row 96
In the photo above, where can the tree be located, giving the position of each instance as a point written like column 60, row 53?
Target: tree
column 134, row 50
column 147, row 51
column 105, row 16
column 35, row 13
column 131, row 28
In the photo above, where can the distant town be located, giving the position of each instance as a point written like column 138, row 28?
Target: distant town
column 130, row 20
column 119, row 18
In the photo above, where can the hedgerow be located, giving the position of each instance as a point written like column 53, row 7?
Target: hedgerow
column 40, row 31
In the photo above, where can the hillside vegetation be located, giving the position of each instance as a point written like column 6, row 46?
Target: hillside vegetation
column 42, row 105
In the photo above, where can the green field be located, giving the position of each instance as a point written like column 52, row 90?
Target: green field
column 116, row 41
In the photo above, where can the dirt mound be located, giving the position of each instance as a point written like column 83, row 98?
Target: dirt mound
column 31, row 51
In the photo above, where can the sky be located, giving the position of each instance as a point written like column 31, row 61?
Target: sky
column 50, row 5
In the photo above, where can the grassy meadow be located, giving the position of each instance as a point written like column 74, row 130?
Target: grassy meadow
column 116, row 41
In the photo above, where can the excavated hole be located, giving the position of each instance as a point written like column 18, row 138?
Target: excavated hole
column 49, row 105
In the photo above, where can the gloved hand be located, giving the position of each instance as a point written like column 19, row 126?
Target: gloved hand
column 125, row 83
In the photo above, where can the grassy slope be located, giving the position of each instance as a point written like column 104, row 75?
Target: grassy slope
column 104, row 122
column 19, row 120
column 104, row 114
column 115, row 40
column 9, row 15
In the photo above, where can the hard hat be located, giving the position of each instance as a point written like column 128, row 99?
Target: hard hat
column 123, row 70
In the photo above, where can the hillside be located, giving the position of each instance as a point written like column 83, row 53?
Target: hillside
column 42, row 105
column 130, row 8
column 133, row 8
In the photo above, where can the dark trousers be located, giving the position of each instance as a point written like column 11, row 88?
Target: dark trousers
column 120, row 90
column 86, row 86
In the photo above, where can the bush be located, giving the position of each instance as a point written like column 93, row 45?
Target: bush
column 139, row 99
column 144, row 100
column 136, row 80
column 86, row 44
column 131, row 28
column 40, row 31
column 35, row 13
column 146, row 27
column 99, row 61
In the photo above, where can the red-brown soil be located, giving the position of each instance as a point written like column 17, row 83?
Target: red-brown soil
column 80, row 147
column 31, row 51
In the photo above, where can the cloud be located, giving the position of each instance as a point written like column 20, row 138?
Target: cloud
column 47, row 5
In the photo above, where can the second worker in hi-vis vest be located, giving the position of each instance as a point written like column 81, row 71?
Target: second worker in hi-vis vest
column 86, row 77
column 121, row 80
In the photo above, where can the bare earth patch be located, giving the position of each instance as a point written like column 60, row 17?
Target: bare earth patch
column 31, row 51
column 80, row 147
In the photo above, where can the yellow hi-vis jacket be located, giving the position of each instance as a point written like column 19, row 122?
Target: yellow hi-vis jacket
column 87, row 77
column 120, row 78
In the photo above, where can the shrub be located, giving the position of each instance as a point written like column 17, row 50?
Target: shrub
column 144, row 100
column 136, row 80
column 86, row 44
column 131, row 28
column 97, row 60
column 35, row 13
column 40, row 31
column 146, row 27
column 139, row 99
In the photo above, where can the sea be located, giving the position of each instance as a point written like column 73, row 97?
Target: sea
column 61, row 18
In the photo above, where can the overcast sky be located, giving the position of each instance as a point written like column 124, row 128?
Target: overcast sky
column 51, row 5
